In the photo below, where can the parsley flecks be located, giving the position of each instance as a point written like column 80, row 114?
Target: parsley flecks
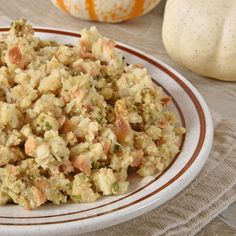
column 31, row 177
column 99, row 120
column 68, row 45
column 42, row 118
column 117, row 148
column 52, row 41
column 77, row 198
column 115, row 187
column 48, row 126
column 96, row 165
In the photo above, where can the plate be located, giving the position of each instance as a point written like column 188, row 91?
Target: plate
column 71, row 219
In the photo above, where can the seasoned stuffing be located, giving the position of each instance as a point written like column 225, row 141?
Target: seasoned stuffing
column 75, row 119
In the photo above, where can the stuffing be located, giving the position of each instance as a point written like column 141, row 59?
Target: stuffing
column 76, row 120
column 104, row 179
column 10, row 116
column 23, row 96
column 82, row 189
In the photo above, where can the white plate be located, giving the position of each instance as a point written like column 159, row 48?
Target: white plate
column 71, row 219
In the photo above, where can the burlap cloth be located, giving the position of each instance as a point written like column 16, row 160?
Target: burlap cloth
column 213, row 190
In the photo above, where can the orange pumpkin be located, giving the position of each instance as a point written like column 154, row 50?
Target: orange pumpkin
column 106, row 11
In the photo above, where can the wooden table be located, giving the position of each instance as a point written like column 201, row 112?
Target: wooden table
column 145, row 34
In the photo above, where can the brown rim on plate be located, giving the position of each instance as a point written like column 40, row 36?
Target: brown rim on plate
column 183, row 170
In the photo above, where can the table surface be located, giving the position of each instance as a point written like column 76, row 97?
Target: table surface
column 145, row 34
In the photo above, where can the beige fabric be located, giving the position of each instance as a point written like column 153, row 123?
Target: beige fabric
column 210, row 193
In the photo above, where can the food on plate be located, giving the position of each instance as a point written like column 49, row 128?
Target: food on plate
column 75, row 120
column 111, row 11
column 200, row 35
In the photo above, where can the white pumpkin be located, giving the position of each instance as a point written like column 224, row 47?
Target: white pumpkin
column 106, row 10
column 201, row 36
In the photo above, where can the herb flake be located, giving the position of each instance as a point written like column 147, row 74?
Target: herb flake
column 48, row 126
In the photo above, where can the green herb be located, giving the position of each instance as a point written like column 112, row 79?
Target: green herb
column 98, row 77
column 68, row 45
column 117, row 148
column 48, row 126
column 115, row 187
column 99, row 120
column 52, row 41
column 77, row 198
column 96, row 165
column 5, row 188
column 134, row 108
column 84, row 177
column 42, row 118
column 31, row 177
column 41, row 61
